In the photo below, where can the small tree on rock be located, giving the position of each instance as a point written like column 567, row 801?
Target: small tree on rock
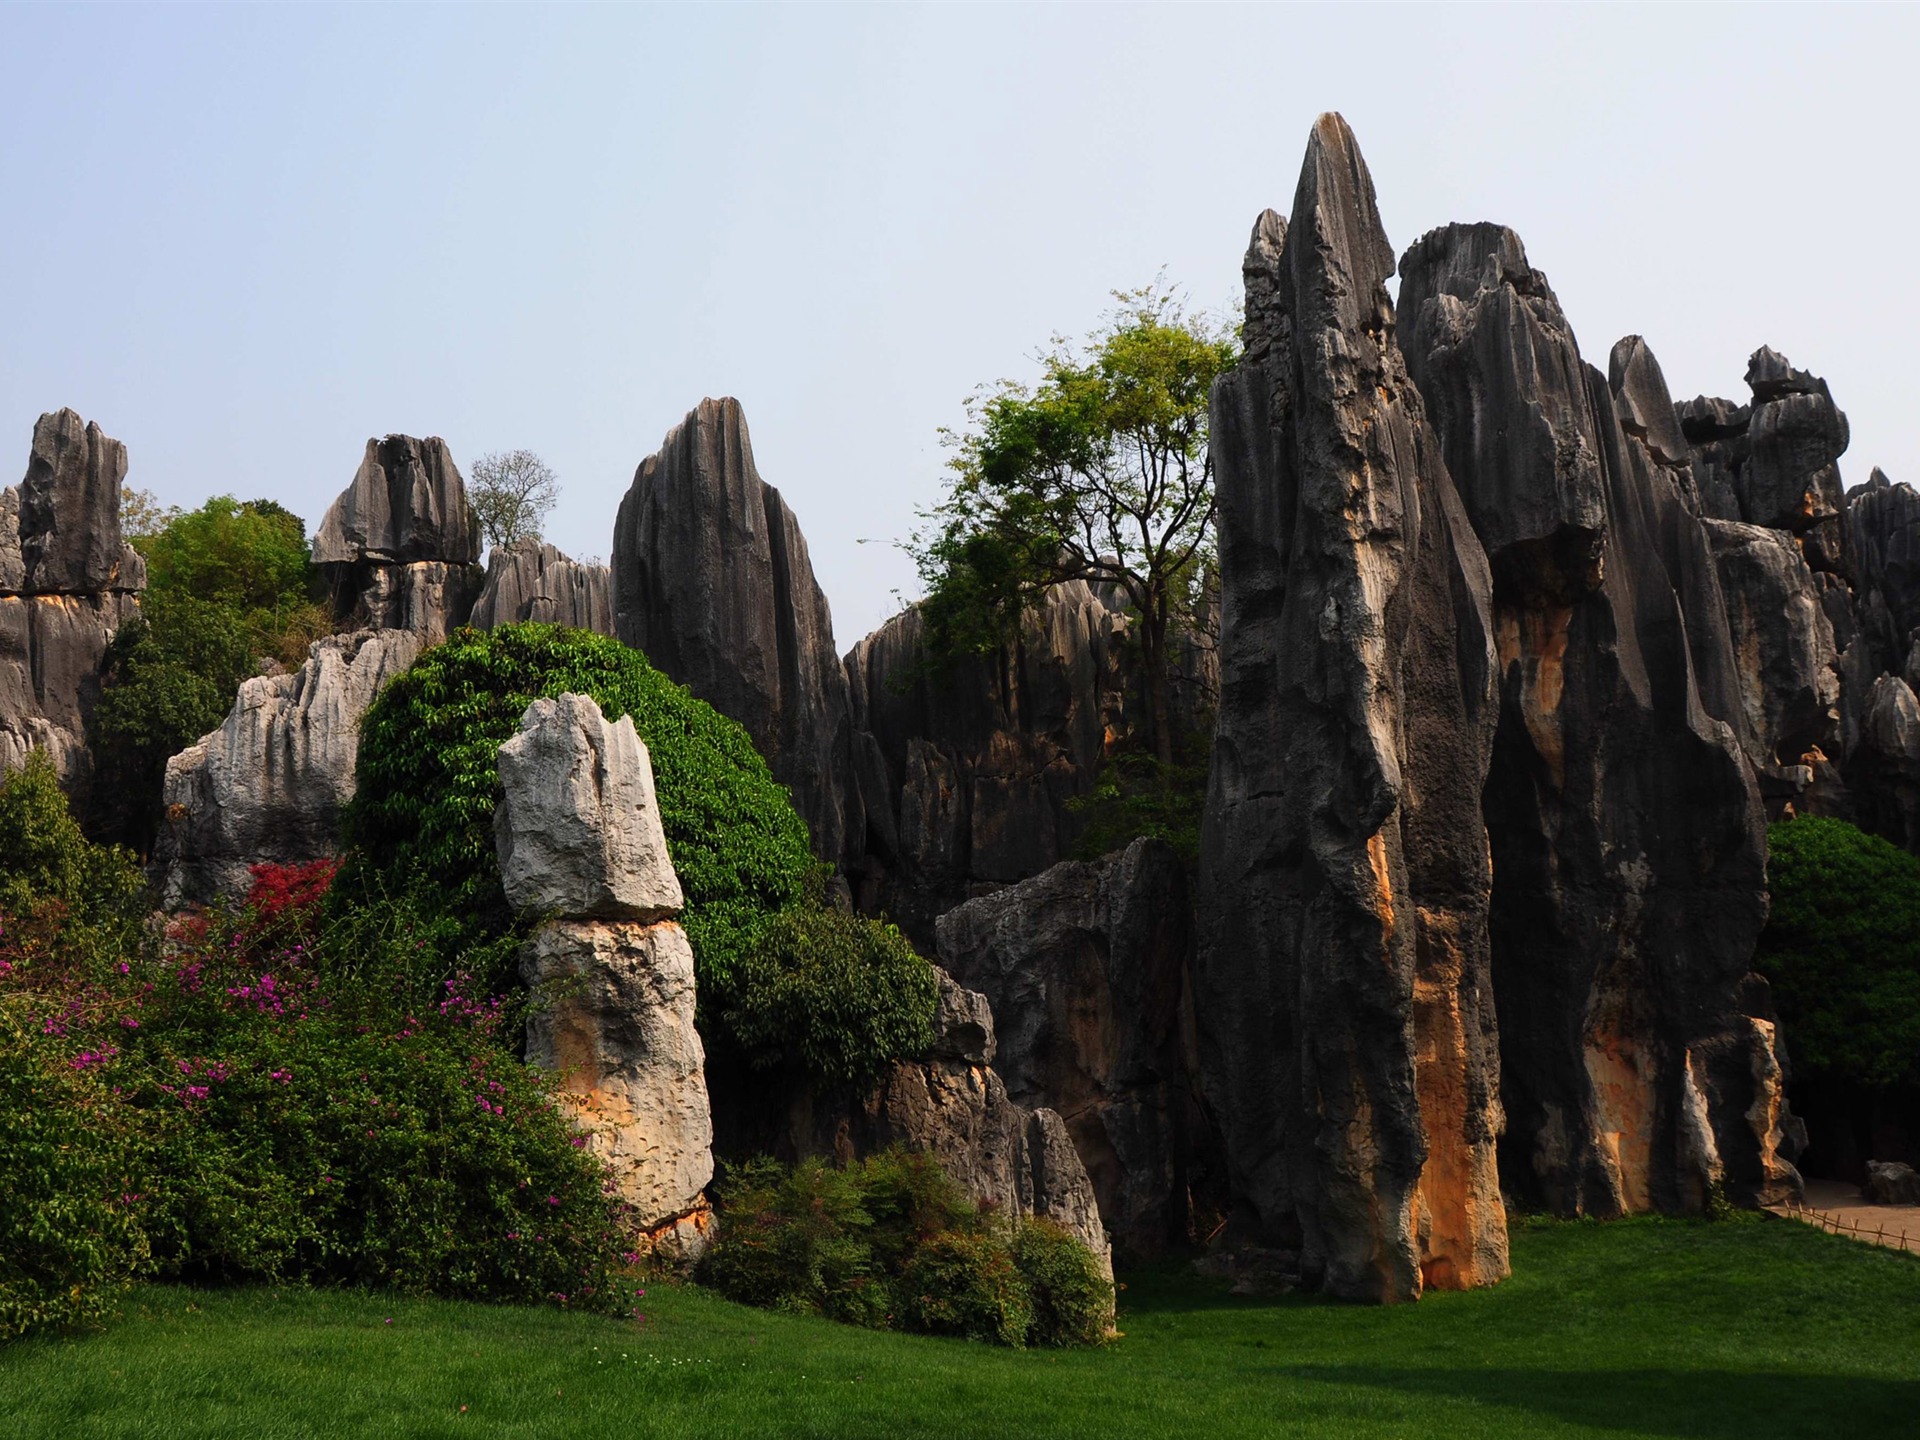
column 1100, row 473
column 511, row 491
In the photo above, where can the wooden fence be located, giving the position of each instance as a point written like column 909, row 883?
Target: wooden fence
column 1899, row 1238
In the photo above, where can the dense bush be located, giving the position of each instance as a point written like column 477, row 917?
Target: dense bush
column 840, row 994
column 835, row 996
column 229, row 586
column 1135, row 795
column 1842, row 952
column 263, row 1095
column 891, row 1242
column 422, row 820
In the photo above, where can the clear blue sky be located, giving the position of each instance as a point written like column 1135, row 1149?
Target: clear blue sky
column 244, row 240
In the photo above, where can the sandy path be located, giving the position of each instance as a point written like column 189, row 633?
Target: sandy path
column 1838, row 1208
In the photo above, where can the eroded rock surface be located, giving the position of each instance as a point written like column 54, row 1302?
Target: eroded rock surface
column 530, row 580
column 1626, row 827
column 582, row 837
column 270, row 784
column 954, row 1106
column 68, row 581
column 711, row 580
column 1343, row 989
column 400, row 545
column 1086, row 967
column 612, row 974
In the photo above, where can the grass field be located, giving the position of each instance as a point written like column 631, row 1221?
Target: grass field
column 1645, row 1327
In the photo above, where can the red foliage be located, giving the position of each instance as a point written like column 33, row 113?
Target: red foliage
column 278, row 889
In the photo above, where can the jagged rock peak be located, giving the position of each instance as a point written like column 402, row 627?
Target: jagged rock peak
column 1335, row 205
column 407, row 503
column 712, row 581
column 65, row 515
column 1771, row 375
column 1645, row 407
column 531, row 580
column 1261, row 273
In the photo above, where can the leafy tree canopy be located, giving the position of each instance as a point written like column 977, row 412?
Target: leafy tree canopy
column 1101, row 472
column 1842, row 951
column 512, row 491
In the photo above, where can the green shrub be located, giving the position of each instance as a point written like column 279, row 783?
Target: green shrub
column 1135, row 795
column 892, row 1241
column 797, row 1240
column 967, row 1285
column 44, row 856
column 1842, row 952
column 422, row 819
column 70, row 1237
column 842, row 995
column 1072, row 1299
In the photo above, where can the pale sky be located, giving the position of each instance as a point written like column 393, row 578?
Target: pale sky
column 244, row 240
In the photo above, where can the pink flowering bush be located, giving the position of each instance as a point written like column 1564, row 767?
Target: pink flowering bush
column 278, row 1092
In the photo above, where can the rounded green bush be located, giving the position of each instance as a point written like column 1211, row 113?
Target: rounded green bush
column 1842, row 952
column 1072, row 1299
column 967, row 1285
column 421, row 821
column 843, row 995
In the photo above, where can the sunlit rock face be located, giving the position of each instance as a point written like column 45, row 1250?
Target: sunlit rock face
column 1639, row 703
column 272, row 782
column 400, row 545
column 578, row 837
column 712, row 581
column 1343, row 988
column 532, row 581
column 68, row 582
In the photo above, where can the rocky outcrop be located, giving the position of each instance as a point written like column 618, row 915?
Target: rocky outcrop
column 1891, row 1183
column 270, row 784
column 530, row 580
column 1772, row 462
column 711, row 580
column 954, row 1106
column 1342, row 990
column 68, row 581
column 965, row 769
column 1885, row 774
column 583, row 836
column 1086, row 966
column 578, row 832
column 1786, row 659
column 400, row 546
column 1627, row 830
column 1883, row 525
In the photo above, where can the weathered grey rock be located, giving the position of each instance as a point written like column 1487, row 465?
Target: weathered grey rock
column 1086, row 965
column 67, row 583
column 965, row 769
column 1883, row 524
column 1342, row 988
column 1891, row 1183
column 1626, row 828
column 617, row 1028
column 578, row 830
column 614, row 1014
column 1772, row 463
column 407, row 503
column 711, row 580
column 399, row 546
column 1784, row 651
column 69, row 512
column 1885, row 772
column 953, row 1106
column 530, row 580
column 270, row 784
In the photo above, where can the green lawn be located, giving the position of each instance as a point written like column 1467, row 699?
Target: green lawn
column 1645, row 1327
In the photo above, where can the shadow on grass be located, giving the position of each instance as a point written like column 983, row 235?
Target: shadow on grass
column 1684, row 1404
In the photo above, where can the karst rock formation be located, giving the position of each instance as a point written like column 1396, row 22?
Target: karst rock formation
column 579, row 839
column 68, row 582
column 530, row 580
column 270, row 784
column 1343, row 988
column 400, row 547
column 711, row 581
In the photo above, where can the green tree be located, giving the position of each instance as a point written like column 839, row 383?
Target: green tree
column 1842, row 952
column 512, row 491
column 1101, row 473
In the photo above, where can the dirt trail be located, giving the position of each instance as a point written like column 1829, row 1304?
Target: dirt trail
column 1838, row 1208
